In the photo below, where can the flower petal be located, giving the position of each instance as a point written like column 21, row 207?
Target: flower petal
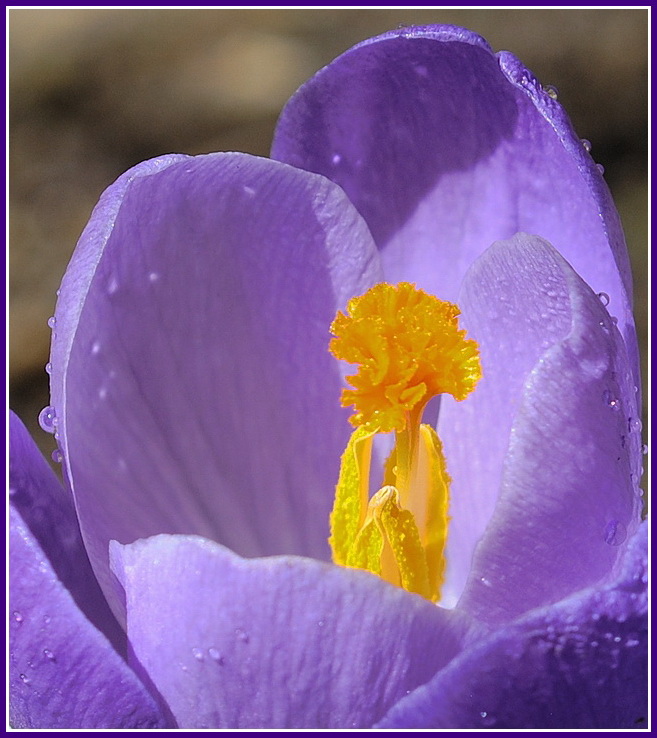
column 62, row 672
column 280, row 642
column 48, row 511
column 579, row 664
column 195, row 390
column 552, row 429
column 445, row 148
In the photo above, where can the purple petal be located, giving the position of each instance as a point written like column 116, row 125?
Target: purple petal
column 195, row 390
column 49, row 513
column 579, row 664
column 275, row 643
column 445, row 148
column 62, row 672
column 552, row 430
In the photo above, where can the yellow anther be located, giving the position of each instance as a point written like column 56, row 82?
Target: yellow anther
column 409, row 348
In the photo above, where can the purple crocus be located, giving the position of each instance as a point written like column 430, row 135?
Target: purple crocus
column 180, row 579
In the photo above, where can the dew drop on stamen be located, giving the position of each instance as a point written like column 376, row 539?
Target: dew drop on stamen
column 47, row 419
column 615, row 533
column 604, row 298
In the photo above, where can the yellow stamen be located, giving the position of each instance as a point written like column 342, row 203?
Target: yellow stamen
column 408, row 348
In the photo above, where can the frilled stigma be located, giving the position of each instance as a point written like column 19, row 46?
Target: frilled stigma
column 408, row 349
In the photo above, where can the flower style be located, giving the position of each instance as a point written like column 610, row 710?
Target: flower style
column 197, row 414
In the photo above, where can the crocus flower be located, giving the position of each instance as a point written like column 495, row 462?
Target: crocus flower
column 197, row 414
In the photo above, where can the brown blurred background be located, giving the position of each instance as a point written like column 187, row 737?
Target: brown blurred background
column 93, row 92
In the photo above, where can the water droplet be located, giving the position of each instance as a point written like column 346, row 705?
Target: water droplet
column 48, row 368
column 551, row 91
column 49, row 654
column 46, row 619
column 102, row 393
column 241, row 636
column 336, row 159
column 214, row 654
column 614, row 320
column 17, row 616
column 483, row 713
column 320, row 623
column 594, row 644
column 632, row 642
column 617, row 639
column 586, row 144
column 634, row 425
column 52, row 321
column 58, row 292
column 644, row 449
column 197, row 654
column 153, row 277
column 12, row 491
column 600, row 168
column 95, row 347
column 57, row 456
column 611, row 400
column 485, row 582
column 25, row 679
column 47, row 419
column 604, row 298
column 615, row 533
column 249, row 190
column 112, row 286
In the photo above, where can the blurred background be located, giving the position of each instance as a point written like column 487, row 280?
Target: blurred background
column 93, row 92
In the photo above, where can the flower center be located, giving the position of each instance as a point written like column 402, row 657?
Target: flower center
column 408, row 349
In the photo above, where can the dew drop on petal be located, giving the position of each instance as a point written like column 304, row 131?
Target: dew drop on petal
column 615, row 533
column 250, row 191
column 604, row 298
column 48, row 368
column 58, row 292
column 644, row 449
column 197, row 653
column 48, row 654
column 214, row 654
column 47, row 419
column 57, row 456
column 112, row 286
column 95, row 348
column 551, row 91
column 241, row 635
column 611, row 400
column 25, row 679
column 600, row 168
column 52, row 321
column 336, row 159
column 102, row 393
column 17, row 616
column 586, row 144
column 634, row 425
column 485, row 582
column 153, row 277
